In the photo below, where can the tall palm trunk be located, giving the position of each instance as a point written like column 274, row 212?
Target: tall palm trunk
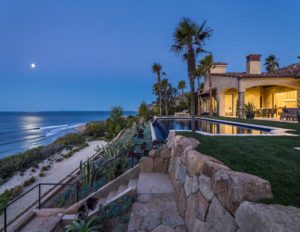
column 191, row 72
column 211, row 113
column 166, row 103
column 159, row 92
column 199, row 101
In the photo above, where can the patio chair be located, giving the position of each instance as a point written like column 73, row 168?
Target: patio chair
column 289, row 114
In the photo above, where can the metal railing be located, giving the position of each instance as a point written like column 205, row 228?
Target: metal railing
column 41, row 195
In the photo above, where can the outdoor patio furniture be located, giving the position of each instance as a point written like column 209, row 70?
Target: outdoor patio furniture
column 289, row 114
column 184, row 113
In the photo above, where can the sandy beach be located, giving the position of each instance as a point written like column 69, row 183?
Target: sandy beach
column 58, row 170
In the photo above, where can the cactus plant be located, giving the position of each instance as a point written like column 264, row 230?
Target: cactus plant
column 87, row 171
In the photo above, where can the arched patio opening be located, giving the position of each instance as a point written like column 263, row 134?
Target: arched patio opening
column 270, row 100
column 230, row 102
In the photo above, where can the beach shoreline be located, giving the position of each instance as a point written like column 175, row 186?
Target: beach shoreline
column 58, row 170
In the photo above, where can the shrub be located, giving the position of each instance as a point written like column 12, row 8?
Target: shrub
column 144, row 112
column 46, row 168
column 80, row 225
column 59, row 159
column 42, row 174
column 115, row 123
column 16, row 191
column 29, row 181
column 36, row 166
column 68, row 155
column 9, row 194
column 95, row 129
column 71, row 140
column 19, row 162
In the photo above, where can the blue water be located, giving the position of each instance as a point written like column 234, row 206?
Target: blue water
column 163, row 125
column 20, row 131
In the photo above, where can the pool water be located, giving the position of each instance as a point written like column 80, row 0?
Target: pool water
column 162, row 126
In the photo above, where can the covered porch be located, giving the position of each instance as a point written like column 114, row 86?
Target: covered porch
column 270, row 101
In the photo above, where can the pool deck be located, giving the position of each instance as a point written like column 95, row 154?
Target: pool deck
column 274, row 131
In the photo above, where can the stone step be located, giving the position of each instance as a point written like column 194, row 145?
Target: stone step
column 121, row 188
column 102, row 201
column 42, row 224
column 110, row 196
column 133, row 183
column 151, row 183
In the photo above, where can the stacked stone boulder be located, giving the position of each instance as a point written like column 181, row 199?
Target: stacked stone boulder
column 212, row 197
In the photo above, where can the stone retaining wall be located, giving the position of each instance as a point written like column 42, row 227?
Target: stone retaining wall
column 212, row 197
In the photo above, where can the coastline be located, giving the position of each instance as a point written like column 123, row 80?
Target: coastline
column 59, row 168
column 19, row 176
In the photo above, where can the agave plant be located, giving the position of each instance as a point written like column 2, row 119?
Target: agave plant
column 88, row 172
column 80, row 225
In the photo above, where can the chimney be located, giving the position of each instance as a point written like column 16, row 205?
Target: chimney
column 219, row 67
column 253, row 64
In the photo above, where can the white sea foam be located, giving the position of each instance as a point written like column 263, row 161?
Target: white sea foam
column 62, row 128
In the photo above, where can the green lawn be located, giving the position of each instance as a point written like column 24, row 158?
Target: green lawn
column 272, row 158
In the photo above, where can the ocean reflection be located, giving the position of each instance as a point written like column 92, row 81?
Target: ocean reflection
column 30, row 122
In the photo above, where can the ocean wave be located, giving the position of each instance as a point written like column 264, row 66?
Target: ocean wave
column 66, row 127
column 52, row 127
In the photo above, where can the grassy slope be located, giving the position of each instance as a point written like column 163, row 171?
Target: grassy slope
column 272, row 158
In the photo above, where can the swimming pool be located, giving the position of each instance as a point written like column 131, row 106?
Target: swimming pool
column 212, row 127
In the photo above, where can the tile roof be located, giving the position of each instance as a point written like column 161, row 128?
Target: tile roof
column 288, row 71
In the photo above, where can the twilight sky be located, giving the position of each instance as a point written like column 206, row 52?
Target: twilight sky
column 92, row 55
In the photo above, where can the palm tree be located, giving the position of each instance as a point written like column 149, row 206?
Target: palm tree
column 204, row 67
column 189, row 38
column 165, row 84
column 271, row 63
column 198, row 75
column 156, row 68
column 181, row 86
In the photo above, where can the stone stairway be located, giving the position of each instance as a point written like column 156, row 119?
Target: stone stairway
column 113, row 195
column 46, row 220
column 156, row 209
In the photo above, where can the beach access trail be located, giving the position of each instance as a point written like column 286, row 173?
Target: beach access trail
column 58, row 171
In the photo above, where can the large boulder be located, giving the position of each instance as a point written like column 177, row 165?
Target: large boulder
column 179, row 172
column 181, row 199
column 206, row 187
column 232, row 188
column 172, row 219
column 164, row 152
column 181, row 143
column 160, row 164
column 191, row 185
column 211, row 167
column 218, row 219
column 199, row 226
column 253, row 217
column 171, row 138
column 146, row 164
column 196, row 208
column 194, row 163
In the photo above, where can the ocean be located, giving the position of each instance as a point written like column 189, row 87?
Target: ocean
column 20, row 131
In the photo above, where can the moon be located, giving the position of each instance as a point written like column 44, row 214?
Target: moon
column 33, row 65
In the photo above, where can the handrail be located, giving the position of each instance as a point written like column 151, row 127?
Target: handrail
column 102, row 167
